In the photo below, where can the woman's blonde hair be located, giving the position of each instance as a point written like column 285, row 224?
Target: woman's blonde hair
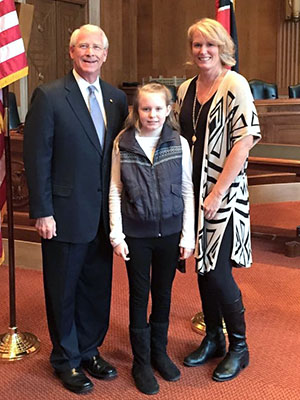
column 215, row 33
column 133, row 120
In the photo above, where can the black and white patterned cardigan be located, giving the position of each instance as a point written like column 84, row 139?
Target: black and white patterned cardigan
column 231, row 117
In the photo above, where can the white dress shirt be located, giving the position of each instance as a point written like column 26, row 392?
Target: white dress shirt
column 83, row 86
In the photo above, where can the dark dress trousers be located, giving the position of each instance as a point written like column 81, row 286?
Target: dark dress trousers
column 68, row 176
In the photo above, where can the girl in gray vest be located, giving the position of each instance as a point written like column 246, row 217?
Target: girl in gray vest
column 152, row 224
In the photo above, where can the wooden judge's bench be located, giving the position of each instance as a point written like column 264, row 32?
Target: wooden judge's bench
column 275, row 159
column 279, row 120
column 23, row 226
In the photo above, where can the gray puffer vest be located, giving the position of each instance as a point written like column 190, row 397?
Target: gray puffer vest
column 152, row 203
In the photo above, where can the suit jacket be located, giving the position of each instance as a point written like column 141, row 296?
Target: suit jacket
column 68, row 174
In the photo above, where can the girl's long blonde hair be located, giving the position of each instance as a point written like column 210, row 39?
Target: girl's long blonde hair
column 133, row 120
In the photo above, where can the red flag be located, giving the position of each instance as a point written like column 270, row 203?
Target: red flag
column 13, row 66
column 225, row 15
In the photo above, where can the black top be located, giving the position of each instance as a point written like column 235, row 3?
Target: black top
column 187, row 130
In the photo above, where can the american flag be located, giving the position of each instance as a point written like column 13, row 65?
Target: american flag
column 13, row 66
column 226, row 16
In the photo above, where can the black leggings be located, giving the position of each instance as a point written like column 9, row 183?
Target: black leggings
column 162, row 253
column 219, row 284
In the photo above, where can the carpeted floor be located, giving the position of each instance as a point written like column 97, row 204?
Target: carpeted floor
column 271, row 290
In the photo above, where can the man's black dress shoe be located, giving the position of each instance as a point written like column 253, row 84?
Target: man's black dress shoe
column 99, row 368
column 75, row 380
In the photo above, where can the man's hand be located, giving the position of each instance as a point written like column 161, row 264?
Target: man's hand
column 46, row 227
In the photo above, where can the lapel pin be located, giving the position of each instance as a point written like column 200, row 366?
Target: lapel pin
column 111, row 100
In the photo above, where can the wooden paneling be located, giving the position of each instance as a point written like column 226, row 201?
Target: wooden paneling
column 111, row 22
column 288, row 58
column 130, row 35
column 145, row 39
column 279, row 120
column 257, row 24
column 42, row 48
column 53, row 22
column 269, row 45
column 23, row 226
column 162, row 43
column 148, row 38
column 152, row 35
column 69, row 16
column 119, row 21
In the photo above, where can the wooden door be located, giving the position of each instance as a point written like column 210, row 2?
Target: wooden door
column 69, row 16
column 42, row 46
column 53, row 23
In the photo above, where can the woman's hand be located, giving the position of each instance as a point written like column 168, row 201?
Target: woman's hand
column 185, row 253
column 233, row 165
column 211, row 205
column 121, row 250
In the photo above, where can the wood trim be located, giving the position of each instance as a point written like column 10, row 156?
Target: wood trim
column 278, row 102
column 274, row 193
column 82, row 2
column 94, row 12
column 288, row 56
column 274, row 164
column 271, row 178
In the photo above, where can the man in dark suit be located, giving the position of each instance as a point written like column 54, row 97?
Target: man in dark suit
column 67, row 156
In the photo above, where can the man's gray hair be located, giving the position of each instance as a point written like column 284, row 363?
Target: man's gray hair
column 89, row 28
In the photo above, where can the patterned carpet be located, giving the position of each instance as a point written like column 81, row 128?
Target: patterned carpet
column 271, row 290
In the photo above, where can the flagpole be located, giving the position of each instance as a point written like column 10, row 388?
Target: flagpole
column 13, row 345
column 10, row 222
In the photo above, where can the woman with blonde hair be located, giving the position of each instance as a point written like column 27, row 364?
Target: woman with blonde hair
column 218, row 118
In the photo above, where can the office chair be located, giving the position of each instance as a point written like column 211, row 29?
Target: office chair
column 14, row 119
column 173, row 91
column 294, row 91
column 263, row 90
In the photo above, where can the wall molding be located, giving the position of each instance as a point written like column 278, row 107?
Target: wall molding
column 288, row 56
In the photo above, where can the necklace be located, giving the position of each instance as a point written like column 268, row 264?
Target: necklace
column 195, row 118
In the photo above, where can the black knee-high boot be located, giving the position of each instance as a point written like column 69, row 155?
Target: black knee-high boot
column 159, row 357
column 141, row 369
column 237, row 357
column 213, row 344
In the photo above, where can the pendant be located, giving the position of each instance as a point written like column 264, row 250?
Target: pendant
column 194, row 138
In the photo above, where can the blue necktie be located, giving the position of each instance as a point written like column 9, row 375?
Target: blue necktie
column 96, row 115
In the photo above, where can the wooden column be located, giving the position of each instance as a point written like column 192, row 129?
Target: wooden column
column 288, row 56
